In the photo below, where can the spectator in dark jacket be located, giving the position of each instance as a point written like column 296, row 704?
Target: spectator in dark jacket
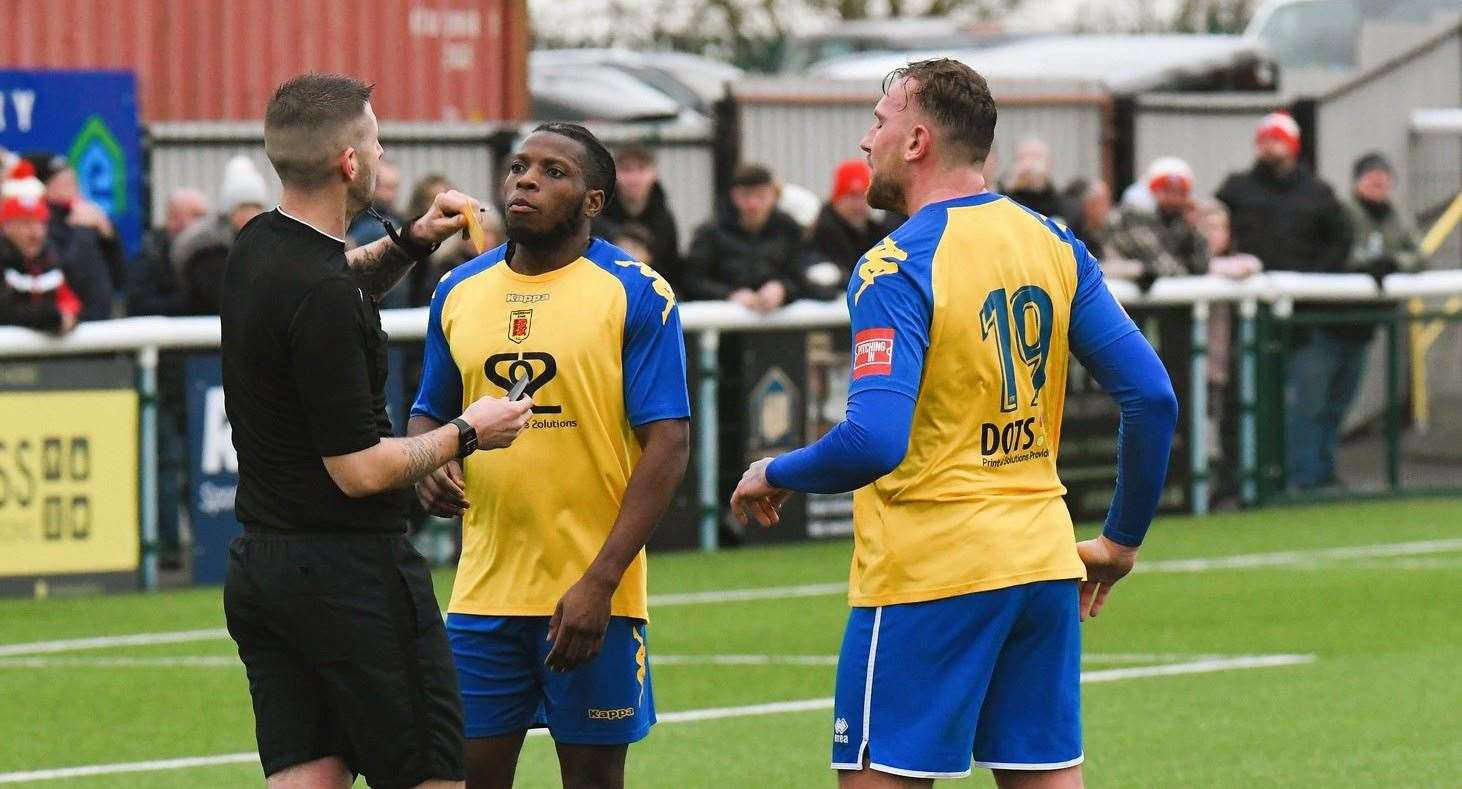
column 639, row 199
column 845, row 228
column 153, row 287
column 34, row 292
column 1280, row 212
column 750, row 253
column 82, row 234
column 1029, row 182
column 1334, row 362
column 201, row 253
column 1291, row 221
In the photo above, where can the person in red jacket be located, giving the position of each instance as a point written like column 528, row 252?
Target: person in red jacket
column 34, row 292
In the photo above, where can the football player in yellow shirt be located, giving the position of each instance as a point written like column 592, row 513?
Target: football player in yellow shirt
column 548, row 612
column 963, row 642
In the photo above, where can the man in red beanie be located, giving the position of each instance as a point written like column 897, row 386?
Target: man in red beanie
column 1281, row 213
column 34, row 292
column 845, row 228
column 1291, row 220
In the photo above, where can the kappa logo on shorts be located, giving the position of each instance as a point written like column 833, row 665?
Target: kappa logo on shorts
column 840, row 731
column 873, row 353
column 611, row 715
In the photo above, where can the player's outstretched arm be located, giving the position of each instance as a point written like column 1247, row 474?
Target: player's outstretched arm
column 400, row 462
column 379, row 265
column 581, row 617
column 869, row 443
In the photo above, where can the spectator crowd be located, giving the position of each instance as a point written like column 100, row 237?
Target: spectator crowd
column 63, row 262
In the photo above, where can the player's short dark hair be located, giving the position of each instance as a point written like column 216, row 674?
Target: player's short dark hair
column 634, row 153
column 311, row 118
column 597, row 163
column 751, row 175
column 956, row 98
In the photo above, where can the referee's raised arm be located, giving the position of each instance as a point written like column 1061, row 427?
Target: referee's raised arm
column 331, row 607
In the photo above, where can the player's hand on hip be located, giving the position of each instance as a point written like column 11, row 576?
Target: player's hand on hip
column 444, row 218
column 498, row 421
column 757, row 498
column 578, row 624
column 442, row 493
column 1106, row 563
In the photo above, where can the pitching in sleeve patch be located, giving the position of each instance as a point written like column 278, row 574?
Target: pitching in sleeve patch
column 872, row 353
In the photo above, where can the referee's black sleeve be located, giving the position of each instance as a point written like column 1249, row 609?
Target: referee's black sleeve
column 327, row 350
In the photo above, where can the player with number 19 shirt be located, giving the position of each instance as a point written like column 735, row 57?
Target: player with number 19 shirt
column 963, row 641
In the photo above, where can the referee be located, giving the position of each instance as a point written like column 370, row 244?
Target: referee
column 332, row 609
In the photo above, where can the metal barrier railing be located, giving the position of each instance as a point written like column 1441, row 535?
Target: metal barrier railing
column 1276, row 292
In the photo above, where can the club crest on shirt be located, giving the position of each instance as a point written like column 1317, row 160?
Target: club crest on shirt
column 520, row 323
column 879, row 261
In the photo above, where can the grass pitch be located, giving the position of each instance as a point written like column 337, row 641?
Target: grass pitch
column 1296, row 647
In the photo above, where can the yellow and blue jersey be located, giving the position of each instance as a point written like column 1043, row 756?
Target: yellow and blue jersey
column 601, row 340
column 972, row 307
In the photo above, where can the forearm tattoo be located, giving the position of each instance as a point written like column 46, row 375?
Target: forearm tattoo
column 378, row 266
column 421, row 457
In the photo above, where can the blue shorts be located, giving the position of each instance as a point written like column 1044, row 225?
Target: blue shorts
column 506, row 687
column 995, row 675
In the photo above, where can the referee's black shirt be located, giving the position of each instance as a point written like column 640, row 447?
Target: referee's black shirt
column 304, row 377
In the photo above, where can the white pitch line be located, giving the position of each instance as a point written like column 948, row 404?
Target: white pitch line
column 128, row 767
column 135, row 639
column 229, row 661
column 185, row 661
column 684, row 716
column 1247, row 561
column 1237, row 562
column 738, row 595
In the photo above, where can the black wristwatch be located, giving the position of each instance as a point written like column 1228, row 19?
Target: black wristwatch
column 466, row 438
column 409, row 246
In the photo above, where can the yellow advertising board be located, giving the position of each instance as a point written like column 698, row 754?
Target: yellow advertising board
column 68, row 482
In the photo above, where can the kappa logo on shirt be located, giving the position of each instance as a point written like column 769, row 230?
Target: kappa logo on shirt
column 873, row 353
column 880, row 261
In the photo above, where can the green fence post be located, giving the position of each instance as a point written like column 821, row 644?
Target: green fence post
column 1198, row 409
column 147, row 465
column 1393, row 403
column 708, row 424
column 1248, row 389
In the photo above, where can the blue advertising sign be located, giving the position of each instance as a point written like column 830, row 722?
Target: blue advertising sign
column 90, row 117
column 213, row 466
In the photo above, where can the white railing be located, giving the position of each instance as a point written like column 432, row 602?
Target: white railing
column 147, row 336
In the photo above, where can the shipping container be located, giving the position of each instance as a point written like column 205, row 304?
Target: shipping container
column 431, row 60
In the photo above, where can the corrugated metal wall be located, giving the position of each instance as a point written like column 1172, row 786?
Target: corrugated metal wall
column 218, row 60
column 194, row 154
column 801, row 129
column 1213, row 133
column 1435, row 164
column 1374, row 112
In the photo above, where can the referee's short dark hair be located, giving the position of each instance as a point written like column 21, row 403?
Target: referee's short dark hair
column 597, row 164
column 956, row 98
column 312, row 118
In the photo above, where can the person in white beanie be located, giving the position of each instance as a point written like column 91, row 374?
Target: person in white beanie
column 201, row 252
column 1165, row 241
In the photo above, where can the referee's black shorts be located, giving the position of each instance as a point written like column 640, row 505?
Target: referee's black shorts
column 346, row 655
